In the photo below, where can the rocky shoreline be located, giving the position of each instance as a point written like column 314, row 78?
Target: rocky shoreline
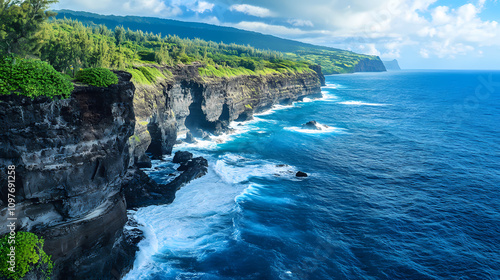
column 77, row 159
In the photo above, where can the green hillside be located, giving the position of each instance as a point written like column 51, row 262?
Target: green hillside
column 332, row 60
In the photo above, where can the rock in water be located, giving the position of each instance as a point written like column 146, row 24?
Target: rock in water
column 190, row 138
column 182, row 156
column 312, row 125
column 301, row 174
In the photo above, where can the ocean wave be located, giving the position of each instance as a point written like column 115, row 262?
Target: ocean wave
column 274, row 108
column 255, row 192
column 333, row 86
column 235, row 169
column 324, row 129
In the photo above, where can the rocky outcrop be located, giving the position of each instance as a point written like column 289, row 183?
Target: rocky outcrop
column 370, row 65
column 317, row 69
column 301, row 174
column 313, row 125
column 182, row 157
column 70, row 157
column 141, row 191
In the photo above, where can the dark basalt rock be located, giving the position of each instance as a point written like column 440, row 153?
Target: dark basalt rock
column 193, row 169
column 317, row 69
column 301, row 174
column 312, row 125
column 186, row 102
column 143, row 164
column 140, row 190
column 70, row 157
column 182, row 156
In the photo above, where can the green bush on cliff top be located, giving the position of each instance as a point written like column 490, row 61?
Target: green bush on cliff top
column 99, row 77
column 32, row 78
column 29, row 257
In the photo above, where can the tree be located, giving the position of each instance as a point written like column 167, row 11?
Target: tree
column 20, row 24
column 119, row 35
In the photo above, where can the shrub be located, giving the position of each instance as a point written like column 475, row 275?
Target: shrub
column 32, row 78
column 29, row 255
column 99, row 77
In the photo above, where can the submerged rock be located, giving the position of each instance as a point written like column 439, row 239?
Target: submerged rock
column 301, row 174
column 182, row 156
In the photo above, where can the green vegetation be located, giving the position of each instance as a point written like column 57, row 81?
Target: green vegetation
column 331, row 61
column 29, row 257
column 99, row 77
column 20, row 25
column 71, row 45
column 32, row 78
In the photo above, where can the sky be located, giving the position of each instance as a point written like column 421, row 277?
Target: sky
column 420, row 34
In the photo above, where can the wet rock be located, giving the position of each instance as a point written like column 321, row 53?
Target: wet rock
column 301, row 174
column 182, row 156
column 193, row 169
column 143, row 164
column 140, row 190
column 190, row 138
column 312, row 125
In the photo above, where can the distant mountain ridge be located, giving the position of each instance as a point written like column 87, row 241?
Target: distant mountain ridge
column 332, row 60
column 191, row 30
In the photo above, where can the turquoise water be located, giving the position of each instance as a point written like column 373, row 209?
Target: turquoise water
column 403, row 184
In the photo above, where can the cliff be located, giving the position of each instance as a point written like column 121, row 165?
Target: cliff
column 370, row 65
column 76, row 159
column 70, row 157
column 392, row 65
column 188, row 102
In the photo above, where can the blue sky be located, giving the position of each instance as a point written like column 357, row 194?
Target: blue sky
column 421, row 34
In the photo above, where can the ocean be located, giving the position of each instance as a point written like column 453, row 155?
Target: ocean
column 403, row 184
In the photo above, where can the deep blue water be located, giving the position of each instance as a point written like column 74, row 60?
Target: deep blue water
column 404, row 184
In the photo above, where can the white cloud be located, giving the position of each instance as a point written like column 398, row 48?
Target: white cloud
column 268, row 28
column 300, row 22
column 148, row 6
column 252, row 10
column 157, row 8
column 369, row 49
column 201, row 6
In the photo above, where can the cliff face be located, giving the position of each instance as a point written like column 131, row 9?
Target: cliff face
column 368, row 65
column 190, row 103
column 76, row 159
column 70, row 157
column 392, row 65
